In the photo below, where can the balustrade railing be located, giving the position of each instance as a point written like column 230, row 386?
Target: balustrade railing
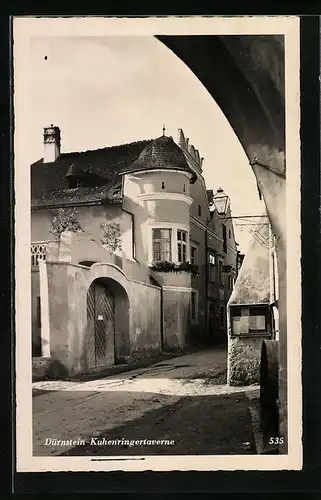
column 38, row 252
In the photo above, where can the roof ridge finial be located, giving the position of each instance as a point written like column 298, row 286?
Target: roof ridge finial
column 164, row 130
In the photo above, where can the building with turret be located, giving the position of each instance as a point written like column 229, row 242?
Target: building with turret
column 129, row 256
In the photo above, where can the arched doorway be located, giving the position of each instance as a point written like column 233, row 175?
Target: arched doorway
column 100, row 325
column 107, row 324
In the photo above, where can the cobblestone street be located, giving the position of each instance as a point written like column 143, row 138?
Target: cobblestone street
column 184, row 400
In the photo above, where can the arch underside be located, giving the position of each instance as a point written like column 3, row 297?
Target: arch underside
column 245, row 76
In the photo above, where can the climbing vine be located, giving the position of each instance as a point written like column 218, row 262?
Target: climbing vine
column 111, row 236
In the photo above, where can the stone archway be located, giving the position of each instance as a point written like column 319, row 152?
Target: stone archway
column 245, row 76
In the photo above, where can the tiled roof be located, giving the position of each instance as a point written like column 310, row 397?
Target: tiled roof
column 100, row 172
column 101, row 169
column 163, row 153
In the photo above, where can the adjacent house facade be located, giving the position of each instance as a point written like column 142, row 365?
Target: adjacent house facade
column 142, row 263
column 253, row 307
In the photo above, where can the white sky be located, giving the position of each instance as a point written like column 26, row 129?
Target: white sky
column 113, row 90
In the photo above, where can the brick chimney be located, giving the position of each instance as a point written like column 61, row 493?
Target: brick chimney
column 51, row 140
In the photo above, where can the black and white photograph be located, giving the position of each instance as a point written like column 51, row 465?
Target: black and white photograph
column 157, row 181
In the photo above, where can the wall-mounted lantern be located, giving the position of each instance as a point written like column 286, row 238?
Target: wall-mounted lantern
column 221, row 201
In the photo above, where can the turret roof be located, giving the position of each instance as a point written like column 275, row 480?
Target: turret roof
column 161, row 153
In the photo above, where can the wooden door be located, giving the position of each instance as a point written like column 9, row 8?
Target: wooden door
column 100, row 326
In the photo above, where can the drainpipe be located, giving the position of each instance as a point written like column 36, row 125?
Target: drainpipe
column 162, row 318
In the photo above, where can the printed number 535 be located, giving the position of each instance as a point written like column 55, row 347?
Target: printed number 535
column 276, row 440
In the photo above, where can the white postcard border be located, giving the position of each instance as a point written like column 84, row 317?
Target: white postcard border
column 23, row 29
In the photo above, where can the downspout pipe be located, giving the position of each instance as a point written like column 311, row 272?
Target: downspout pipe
column 162, row 318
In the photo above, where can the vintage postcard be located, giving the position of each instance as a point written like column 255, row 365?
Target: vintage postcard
column 157, row 188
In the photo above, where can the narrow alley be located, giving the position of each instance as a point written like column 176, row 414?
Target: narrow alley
column 183, row 401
